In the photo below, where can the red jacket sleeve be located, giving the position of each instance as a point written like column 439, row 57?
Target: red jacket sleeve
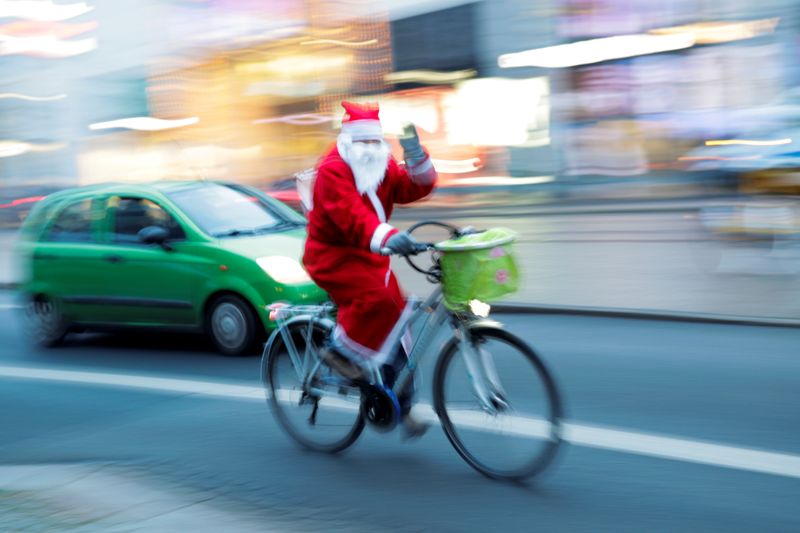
column 414, row 183
column 342, row 207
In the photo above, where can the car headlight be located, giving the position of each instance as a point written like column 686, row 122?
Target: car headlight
column 283, row 269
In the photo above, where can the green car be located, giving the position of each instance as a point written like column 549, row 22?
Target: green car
column 203, row 256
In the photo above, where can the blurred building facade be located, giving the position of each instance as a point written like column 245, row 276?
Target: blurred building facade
column 248, row 90
column 642, row 113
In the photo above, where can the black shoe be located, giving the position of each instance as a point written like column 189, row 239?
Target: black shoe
column 342, row 365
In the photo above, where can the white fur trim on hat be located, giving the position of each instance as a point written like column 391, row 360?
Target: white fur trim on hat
column 360, row 130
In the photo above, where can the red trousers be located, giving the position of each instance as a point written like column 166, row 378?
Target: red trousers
column 368, row 296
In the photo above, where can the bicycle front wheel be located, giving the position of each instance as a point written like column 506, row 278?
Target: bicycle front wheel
column 319, row 413
column 520, row 438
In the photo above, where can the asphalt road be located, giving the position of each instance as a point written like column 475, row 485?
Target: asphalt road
column 728, row 385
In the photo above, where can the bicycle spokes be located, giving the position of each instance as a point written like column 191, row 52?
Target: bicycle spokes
column 498, row 405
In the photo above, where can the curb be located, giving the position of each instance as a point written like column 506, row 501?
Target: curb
column 571, row 207
column 644, row 314
column 491, row 212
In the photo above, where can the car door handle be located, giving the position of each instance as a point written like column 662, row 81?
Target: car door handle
column 114, row 258
column 44, row 257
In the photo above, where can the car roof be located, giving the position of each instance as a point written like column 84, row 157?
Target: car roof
column 130, row 188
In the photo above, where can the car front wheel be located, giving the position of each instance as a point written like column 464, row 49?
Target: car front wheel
column 232, row 325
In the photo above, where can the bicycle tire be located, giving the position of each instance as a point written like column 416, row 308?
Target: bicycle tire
column 269, row 370
column 551, row 445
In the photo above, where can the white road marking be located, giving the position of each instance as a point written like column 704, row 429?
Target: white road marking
column 204, row 388
column 621, row 440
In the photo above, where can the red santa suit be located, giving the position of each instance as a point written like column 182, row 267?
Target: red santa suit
column 346, row 230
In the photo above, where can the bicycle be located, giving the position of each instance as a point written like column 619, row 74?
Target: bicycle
column 333, row 411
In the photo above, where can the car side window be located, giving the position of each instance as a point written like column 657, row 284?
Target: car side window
column 131, row 215
column 73, row 223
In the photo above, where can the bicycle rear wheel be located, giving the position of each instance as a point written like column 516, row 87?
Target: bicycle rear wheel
column 522, row 438
column 325, row 419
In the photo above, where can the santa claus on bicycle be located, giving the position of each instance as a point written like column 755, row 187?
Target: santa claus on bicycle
column 357, row 184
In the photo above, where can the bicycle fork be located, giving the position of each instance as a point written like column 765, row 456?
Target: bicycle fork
column 482, row 374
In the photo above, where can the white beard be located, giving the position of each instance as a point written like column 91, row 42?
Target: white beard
column 368, row 163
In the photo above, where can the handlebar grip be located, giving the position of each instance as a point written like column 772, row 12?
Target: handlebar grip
column 420, row 248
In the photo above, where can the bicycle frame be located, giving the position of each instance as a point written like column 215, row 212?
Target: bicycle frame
column 431, row 313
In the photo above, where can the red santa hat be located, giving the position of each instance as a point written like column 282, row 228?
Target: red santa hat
column 361, row 122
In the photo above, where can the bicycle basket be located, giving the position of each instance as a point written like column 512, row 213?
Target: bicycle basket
column 480, row 266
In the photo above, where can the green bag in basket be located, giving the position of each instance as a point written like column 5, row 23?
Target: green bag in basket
column 480, row 266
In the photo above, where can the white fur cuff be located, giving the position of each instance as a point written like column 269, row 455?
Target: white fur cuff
column 378, row 237
column 423, row 173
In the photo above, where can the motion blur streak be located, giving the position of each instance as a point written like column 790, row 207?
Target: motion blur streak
column 144, row 124
column 745, row 142
column 596, row 51
column 31, row 98
column 42, row 10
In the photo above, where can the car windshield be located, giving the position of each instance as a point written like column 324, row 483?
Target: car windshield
column 223, row 211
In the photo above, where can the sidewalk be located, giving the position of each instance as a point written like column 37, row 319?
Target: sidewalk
column 97, row 498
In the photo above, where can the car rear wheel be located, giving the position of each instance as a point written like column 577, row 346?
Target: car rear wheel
column 232, row 325
column 45, row 322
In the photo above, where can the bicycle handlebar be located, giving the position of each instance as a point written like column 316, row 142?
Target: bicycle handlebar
column 420, row 248
column 433, row 274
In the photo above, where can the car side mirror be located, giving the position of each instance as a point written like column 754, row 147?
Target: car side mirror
column 154, row 235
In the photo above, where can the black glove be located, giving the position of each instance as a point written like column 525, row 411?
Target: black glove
column 412, row 149
column 402, row 243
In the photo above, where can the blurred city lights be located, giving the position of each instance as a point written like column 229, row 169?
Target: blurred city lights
column 32, row 98
column 45, row 46
column 21, row 201
column 246, row 73
column 42, row 10
column 58, row 30
column 356, row 44
column 14, row 148
column 286, row 88
column 144, row 124
column 502, row 180
column 429, row 76
column 298, row 64
column 457, row 167
column 721, row 32
column 596, row 51
column 516, row 116
column 718, row 158
column 305, row 119
column 746, row 142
